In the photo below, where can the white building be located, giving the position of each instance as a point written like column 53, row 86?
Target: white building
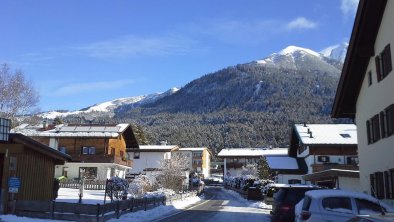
column 326, row 147
column 200, row 160
column 147, row 158
column 235, row 159
column 366, row 94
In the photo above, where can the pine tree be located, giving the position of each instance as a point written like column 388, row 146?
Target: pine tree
column 264, row 171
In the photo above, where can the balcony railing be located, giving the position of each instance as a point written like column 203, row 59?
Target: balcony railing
column 102, row 159
column 234, row 165
column 328, row 166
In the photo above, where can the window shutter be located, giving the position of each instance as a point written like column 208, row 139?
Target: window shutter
column 383, row 124
column 392, row 183
column 390, row 120
column 372, row 184
column 377, row 64
column 375, row 128
column 387, row 184
column 379, row 185
column 387, row 60
column 369, row 132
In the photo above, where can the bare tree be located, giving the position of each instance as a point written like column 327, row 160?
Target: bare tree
column 173, row 172
column 17, row 95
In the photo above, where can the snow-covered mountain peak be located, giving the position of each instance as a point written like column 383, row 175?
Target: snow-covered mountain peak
column 337, row 52
column 109, row 107
column 291, row 50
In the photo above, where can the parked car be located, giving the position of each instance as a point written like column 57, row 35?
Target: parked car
column 285, row 199
column 373, row 218
column 337, row 205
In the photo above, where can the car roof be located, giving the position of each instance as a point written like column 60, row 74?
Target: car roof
column 339, row 193
column 293, row 186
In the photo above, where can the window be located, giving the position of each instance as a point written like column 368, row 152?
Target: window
column 369, row 131
column 62, row 149
column 294, row 181
column 381, row 125
column 199, row 154
column 379, row 185
column 112, row 151
column 88, row 172
column 323, row 159
column 390, row 119
column 136, row 155
column 337, row 204
column 5, row 125
column 121, row 153
column 88, row 150
column 366, row 207
column 352, row 160
column 369, row 78
column 383, row 63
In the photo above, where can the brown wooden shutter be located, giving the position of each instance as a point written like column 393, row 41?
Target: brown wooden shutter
column 383, row 124
column 377, row 64
column 369, row 131
column 375, row 128
column 387, row 60
column 392, row 183
column 390, row 120
column 387, row 184
column 379, row 185
column 372, row 184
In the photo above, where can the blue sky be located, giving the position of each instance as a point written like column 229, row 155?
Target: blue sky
column 78, row 53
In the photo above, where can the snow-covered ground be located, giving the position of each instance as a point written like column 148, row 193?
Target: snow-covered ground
column 94, row 197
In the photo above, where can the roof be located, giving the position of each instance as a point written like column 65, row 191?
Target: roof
column 332, row 173
column 103, row 131
column 326, row 133
column 282, row 162
column 251, row 152
column 361, row 48
column 154, row 148
column 39, row 147
column 193, row 149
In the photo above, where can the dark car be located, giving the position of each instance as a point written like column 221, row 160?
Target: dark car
column 285, row 200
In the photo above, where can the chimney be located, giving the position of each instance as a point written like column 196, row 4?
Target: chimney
column 309, row 130
column 304, row 124
column 310, row 134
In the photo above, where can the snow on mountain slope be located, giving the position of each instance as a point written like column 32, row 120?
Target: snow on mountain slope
column 337, row 52
column 109, row 106
column 293, row 57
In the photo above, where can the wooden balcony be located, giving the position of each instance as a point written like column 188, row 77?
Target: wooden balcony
column 102, row 159
column 234, row 165
column 328, row 166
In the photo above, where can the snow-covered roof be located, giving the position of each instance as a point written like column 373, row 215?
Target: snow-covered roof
column 327, row 133
column 108, row 131
column 232, row 152
column 164, row 148
column 282, row 162
column 193, row 149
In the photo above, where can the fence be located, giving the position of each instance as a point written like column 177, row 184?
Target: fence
column 92, row 212
column 88, row 184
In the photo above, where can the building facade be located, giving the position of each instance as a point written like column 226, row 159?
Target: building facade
column 200, row 161
column 365, row 93
column 326, row 147
column 97, row 151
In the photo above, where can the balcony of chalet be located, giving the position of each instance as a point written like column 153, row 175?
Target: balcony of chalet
column 328, row 166
column 103, row 159
column 234, row 165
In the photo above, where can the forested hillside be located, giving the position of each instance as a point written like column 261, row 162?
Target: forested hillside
column 249, row 105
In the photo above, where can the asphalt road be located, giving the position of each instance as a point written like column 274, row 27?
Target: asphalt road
column 220, row 205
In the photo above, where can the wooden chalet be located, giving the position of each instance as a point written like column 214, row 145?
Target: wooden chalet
column 27, row 170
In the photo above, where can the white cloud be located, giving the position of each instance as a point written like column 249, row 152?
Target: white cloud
column 129, row 46
column 349, row 7
column 77, row 88
column 301, row 23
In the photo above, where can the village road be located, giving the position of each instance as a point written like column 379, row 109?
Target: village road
column 220, row 205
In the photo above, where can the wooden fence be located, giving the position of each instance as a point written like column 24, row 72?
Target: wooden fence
column 88, row 184
column 92, row 212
